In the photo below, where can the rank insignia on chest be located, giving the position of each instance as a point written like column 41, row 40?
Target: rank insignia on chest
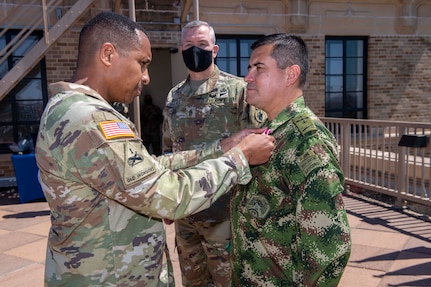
column 213, row 93
column 217, row 96
column 116, row 129
column 304, row 124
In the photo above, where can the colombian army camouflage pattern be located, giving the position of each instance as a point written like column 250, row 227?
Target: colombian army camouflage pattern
column 289, row 224
column 107, row 195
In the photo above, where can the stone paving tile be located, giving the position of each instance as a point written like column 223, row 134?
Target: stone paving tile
column 9, row 264
column 379, row 239
column 354, row 221
column 39, row 229
column 4, row 214
column 362, row 257
column 35, row 251
column 375, row 225
column 415, row 242
column 31, row 206
column 17, row 221
column 403, row 281
column 412, row 263
column 28, row 276
column 16, row 239
column 360, row 277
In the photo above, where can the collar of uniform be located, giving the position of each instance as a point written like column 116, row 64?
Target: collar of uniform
column 59, row 87
column 286, row 114
column 206, row 87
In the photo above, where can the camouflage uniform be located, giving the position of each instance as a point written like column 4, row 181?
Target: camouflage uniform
column 191, row 120
column 289, row 224
column 107, row 194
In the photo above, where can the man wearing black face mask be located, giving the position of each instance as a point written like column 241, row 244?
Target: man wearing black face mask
column 209, row 104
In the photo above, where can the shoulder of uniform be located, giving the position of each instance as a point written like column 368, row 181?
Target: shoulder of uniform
column 176, row 89
column 304, row 123
column 179, row 85
column 227, row 75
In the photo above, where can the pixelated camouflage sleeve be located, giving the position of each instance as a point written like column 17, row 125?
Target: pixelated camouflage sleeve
column 323, row 229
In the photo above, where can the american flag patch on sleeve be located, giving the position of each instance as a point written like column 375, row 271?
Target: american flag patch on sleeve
column 114, row 129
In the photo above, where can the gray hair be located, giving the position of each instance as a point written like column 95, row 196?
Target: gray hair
column 198, row 23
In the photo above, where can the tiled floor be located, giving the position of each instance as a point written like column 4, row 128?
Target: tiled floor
column 389, row 248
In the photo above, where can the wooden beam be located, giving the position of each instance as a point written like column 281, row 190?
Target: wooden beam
column 186, row 9
column 117, row 6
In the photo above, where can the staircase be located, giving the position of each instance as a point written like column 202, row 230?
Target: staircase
column 55, row 17
column 35, row 15
column 157, row 15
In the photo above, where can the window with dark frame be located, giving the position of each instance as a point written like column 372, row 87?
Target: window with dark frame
column 21, row 109
column 234, row 53
column 346, row 77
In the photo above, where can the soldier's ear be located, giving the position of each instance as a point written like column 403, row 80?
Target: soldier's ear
column 215, row 50
column 106, row 53
column 292, row 73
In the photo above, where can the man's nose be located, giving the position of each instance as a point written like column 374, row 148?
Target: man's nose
column 248, row 78
column 145, row 78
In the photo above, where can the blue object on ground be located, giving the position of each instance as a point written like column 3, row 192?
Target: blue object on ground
column 26, row 172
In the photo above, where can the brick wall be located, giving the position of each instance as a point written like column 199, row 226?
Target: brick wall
column 61, row 58
column 163, row 39
column 6, row 166
column 399, row 78
column 314, row 91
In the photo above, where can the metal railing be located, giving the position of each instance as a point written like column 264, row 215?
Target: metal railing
column 388, row 157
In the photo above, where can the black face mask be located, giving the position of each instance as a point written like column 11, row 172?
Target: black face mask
column 197, row 59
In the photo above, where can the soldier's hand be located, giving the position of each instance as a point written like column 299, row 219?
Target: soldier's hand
column 257, row 148
column 229, row 142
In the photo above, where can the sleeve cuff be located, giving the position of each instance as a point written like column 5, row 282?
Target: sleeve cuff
column 212, row 150
column 241, row 164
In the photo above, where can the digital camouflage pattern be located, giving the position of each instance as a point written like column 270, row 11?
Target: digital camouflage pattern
column 289, row 224
column 107, row 196
column 194, row 118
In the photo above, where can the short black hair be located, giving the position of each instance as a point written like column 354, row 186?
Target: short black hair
column 109, row 27
column 287, row 50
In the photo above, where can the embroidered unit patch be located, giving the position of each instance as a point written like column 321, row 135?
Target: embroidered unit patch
column 137, row 167
column 114, row 129
column 308, row 162
column 258, row 206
